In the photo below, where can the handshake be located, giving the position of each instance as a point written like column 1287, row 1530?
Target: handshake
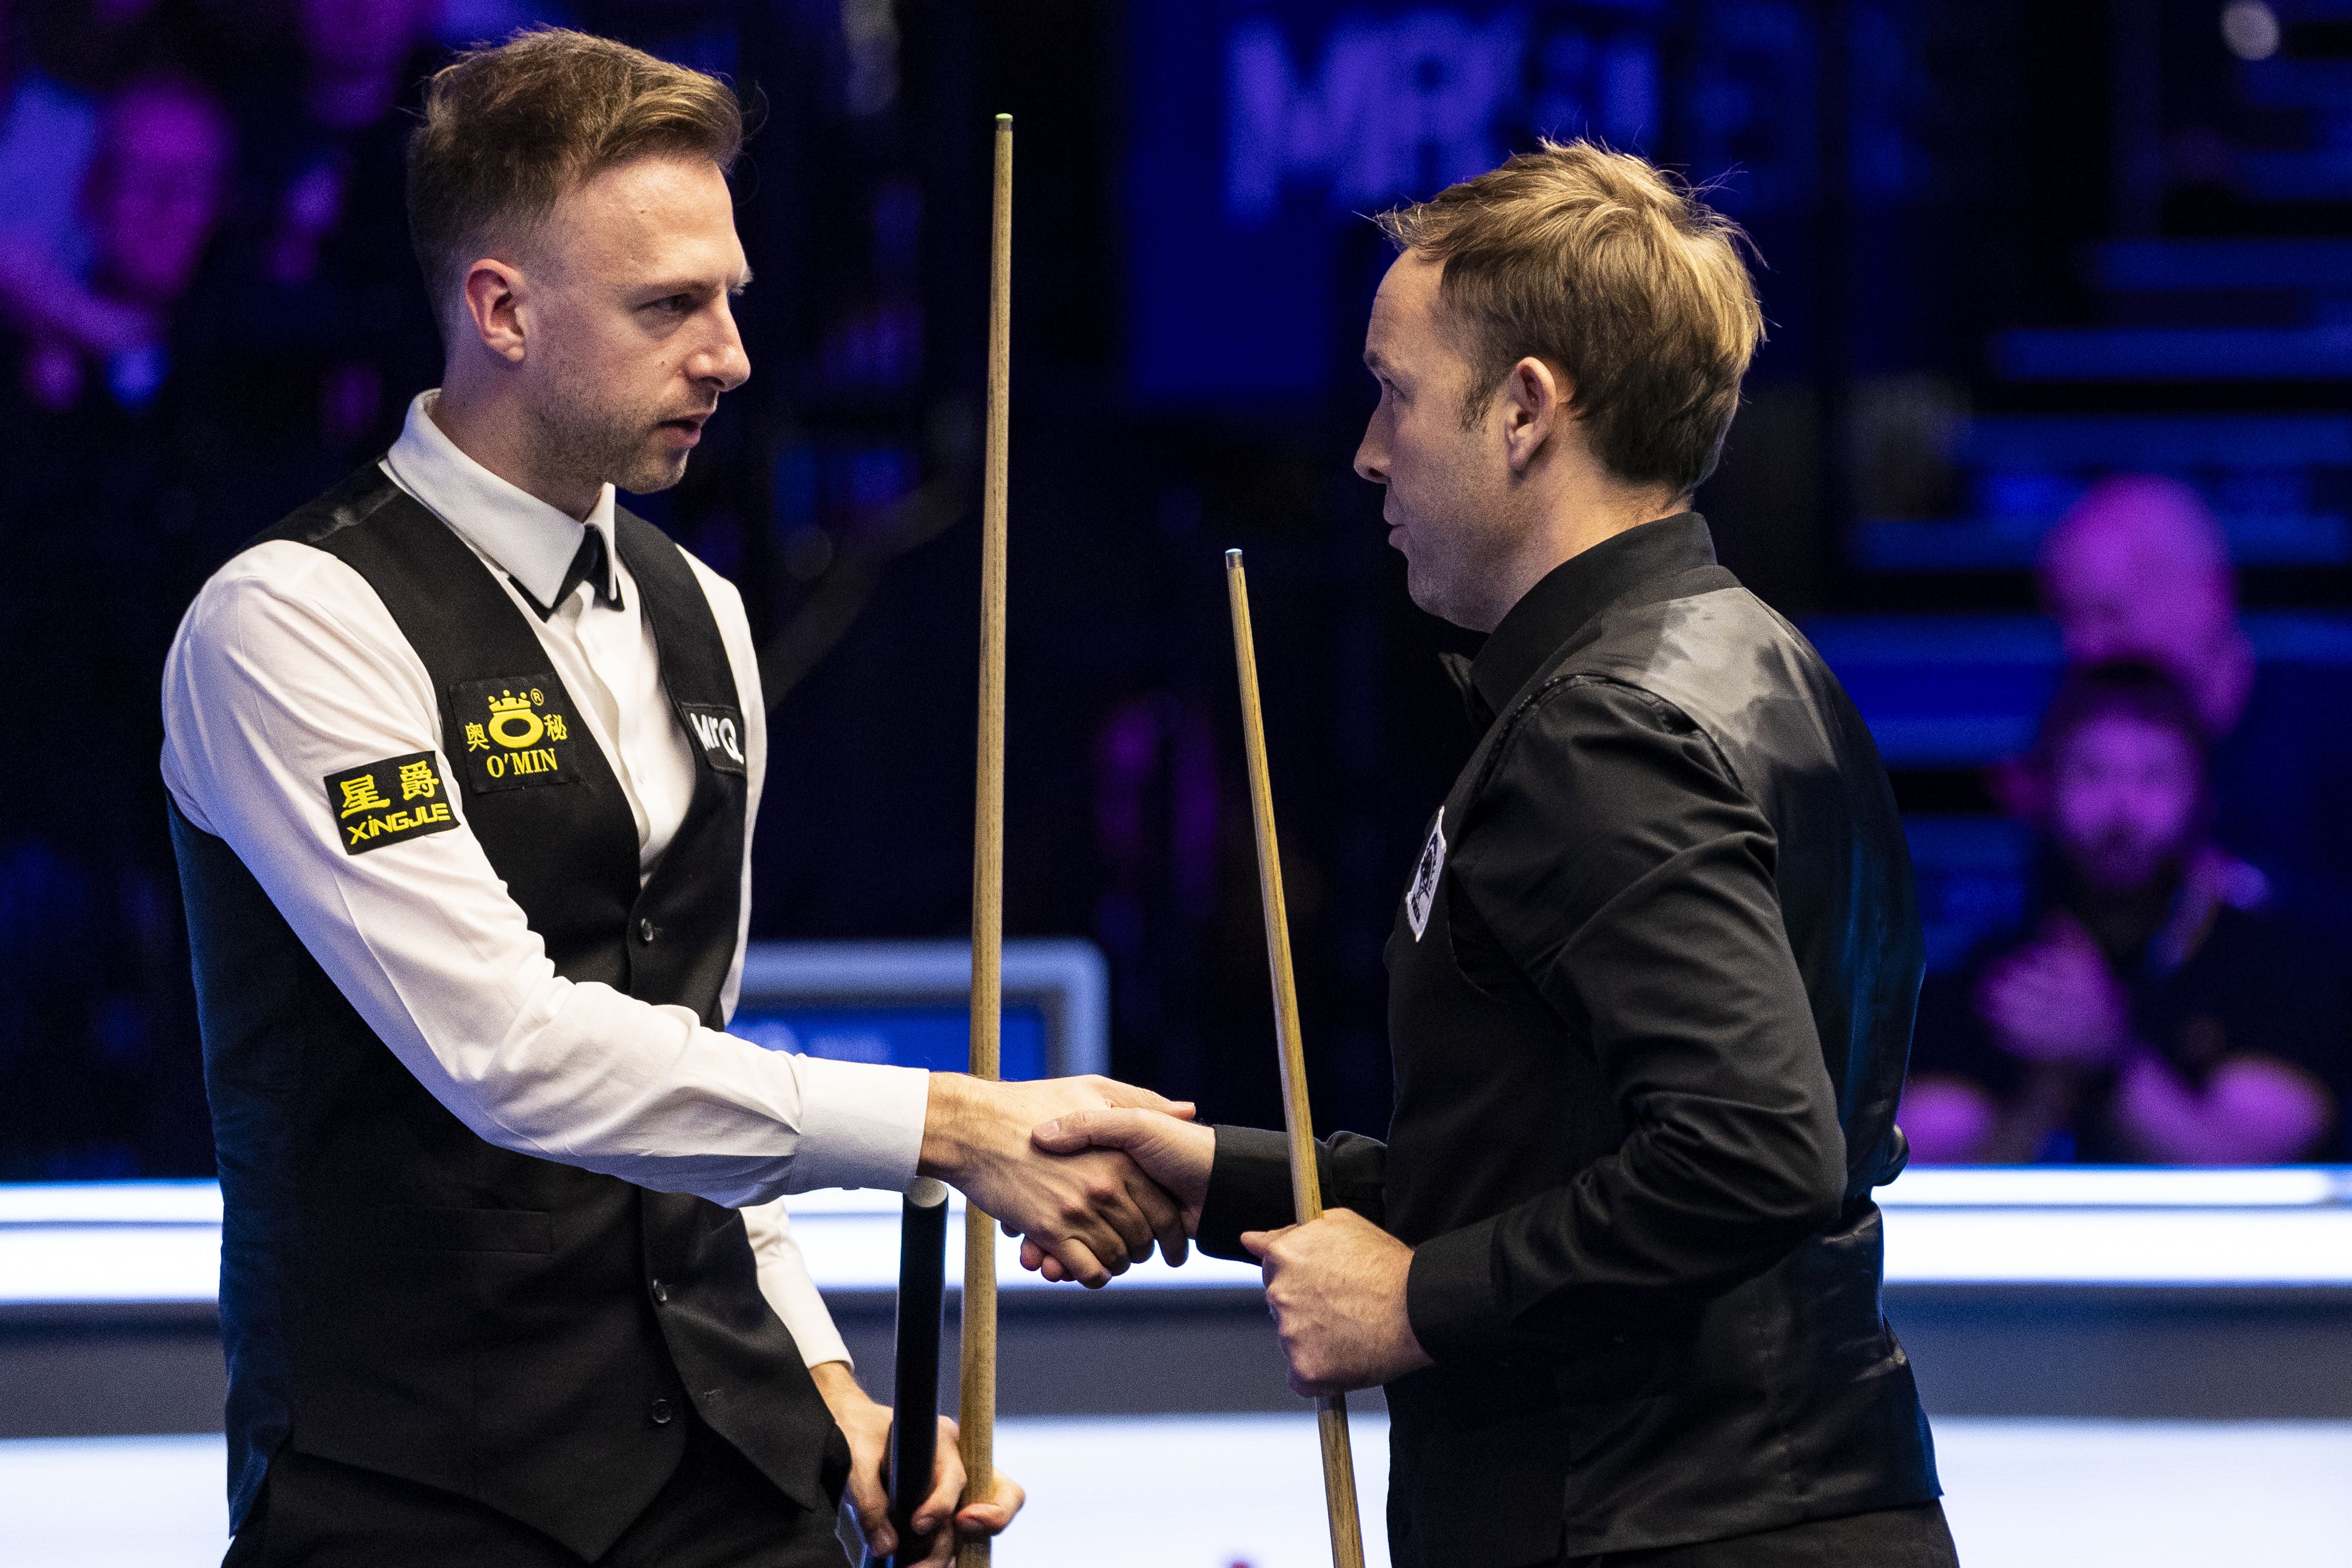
column 1089, row 1173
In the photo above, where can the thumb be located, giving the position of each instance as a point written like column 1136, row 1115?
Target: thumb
column 1077, row 1131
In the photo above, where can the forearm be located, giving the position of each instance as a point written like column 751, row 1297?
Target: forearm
column 1643, row 1235
column 791, row 1294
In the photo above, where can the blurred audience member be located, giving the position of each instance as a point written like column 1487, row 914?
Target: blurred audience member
column 2139, row 569
column 151, row 199
column 321, row 333
column 2144, row 1017
column 48, row 131
column 96, row 1061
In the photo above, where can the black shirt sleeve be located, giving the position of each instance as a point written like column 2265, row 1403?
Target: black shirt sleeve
column 1249, row 1184
column 1627, row 875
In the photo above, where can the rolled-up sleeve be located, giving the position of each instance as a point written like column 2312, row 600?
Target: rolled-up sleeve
column 1613, row 858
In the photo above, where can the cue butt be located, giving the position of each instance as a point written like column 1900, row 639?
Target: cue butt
column 915, row 1395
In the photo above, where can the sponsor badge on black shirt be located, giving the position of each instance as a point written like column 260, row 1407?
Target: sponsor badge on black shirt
column 517, row 734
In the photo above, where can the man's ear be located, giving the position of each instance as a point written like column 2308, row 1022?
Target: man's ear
column 493, row 291
column 1535, row 400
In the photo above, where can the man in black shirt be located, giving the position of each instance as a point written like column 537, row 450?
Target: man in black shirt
column 2150, row 1011
column 1651, row 981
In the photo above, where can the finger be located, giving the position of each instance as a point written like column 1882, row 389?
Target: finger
column 1261, row 1242
column 1182, row 1110
column 869, row 1497
column 1109, row 1223
column 1079, row 1263
column 1129, row 1218
column 1033, row 1257
column 947, row 1484
column 992, row 1517
column 1167, row 1219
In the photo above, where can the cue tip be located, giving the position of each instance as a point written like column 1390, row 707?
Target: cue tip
column 1232, row 557
column 1004, row 122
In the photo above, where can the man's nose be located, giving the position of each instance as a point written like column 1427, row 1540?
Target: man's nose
column 1371, row 460
column 724, row 359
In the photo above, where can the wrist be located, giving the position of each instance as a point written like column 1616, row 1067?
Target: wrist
column 956, row 1127
column 838, row 1385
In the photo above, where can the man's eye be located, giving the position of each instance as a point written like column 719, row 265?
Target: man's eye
column 677, row 304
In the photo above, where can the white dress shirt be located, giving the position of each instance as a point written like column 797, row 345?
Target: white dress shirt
column 288, row 667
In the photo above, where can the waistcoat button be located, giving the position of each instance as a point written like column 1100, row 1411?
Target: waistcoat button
column 660, row 1412
column 647, row 930
column 661, row 1291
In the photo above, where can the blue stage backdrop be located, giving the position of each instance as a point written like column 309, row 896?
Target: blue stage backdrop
column 1262, row 137
column 1258, row 135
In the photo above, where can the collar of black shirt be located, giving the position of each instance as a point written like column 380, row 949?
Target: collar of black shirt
column 1568, row 597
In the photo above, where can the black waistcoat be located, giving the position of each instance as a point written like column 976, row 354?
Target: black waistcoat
column 400, row 1294
column 1787, row 1397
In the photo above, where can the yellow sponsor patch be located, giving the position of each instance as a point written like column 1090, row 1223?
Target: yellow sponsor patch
column 516, row 733
column 385, row 802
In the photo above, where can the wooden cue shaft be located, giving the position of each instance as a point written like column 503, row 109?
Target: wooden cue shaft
column 1306, row 1186
column 977, row 1405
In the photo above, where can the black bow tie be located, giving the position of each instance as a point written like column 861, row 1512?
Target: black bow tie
column 590, row 564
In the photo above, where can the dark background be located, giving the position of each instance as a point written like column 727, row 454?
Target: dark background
column 1193, row 267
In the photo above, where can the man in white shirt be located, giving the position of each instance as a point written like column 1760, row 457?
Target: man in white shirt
column 463, row 760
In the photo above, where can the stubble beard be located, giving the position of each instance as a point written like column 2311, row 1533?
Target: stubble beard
column 1451, row 571
column 611, row 446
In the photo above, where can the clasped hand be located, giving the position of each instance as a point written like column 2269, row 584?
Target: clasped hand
column 1093, row 1211
column 1336, row 1286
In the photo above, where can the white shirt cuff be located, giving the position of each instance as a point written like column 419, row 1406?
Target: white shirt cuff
column 861, row 1125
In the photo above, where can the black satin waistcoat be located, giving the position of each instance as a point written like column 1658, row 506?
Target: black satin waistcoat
column 398, row 1293
column 1786, row 1398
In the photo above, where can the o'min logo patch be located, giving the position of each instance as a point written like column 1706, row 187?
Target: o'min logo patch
column 1423, row 891
column 516, row 732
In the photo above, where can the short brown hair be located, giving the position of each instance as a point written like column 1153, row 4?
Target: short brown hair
column 1614, row 272
column 508, row 128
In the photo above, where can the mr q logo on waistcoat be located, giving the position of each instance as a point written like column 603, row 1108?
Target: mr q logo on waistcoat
column 718, row 733
column 516, row 733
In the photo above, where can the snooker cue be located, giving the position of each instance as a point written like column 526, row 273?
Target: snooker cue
column 915, row 1393
column 1306, row 1185
column 978, row 1411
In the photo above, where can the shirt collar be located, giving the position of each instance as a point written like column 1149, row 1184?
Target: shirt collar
column 518, row 533
column 1571, row 593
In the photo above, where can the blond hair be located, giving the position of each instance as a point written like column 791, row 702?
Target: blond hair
column 1613, row 272
column 508, row 128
